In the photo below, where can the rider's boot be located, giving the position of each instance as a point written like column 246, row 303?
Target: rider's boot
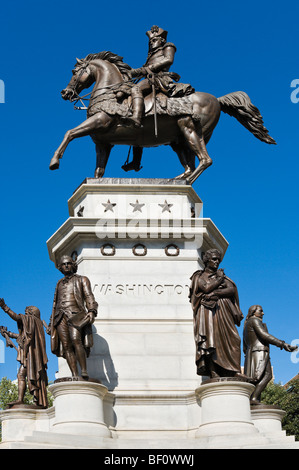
column 138, row 105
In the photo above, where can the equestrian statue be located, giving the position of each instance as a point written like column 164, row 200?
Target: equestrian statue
column 148, row 107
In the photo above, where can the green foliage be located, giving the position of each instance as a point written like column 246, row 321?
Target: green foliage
column 273, row 394
column 9, row 393
column 50, row 399
column 287, row 400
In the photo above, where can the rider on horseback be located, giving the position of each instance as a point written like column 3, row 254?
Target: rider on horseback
column 186, row 124
column 156, row 70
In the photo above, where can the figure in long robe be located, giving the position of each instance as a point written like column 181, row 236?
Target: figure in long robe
column 31, row 355
column 215, row 302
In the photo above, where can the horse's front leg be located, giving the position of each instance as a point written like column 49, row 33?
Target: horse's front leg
column 103, row 152
column 96, row 122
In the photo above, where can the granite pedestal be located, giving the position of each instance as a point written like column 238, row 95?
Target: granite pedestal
column 139, row 241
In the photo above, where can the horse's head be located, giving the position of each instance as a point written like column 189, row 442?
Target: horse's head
column 82, row 78
column 104, row 68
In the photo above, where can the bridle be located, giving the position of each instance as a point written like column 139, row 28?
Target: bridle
column 77, row 97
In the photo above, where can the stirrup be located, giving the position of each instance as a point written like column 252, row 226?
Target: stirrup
column 131, row 166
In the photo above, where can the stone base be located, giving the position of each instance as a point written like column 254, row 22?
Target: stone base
column 150, row 414
column 225, row 408
column 80, row 420
column 17, row 423
column 267, row 419
column 79, row 408
column 50, row 440
column 138, row 242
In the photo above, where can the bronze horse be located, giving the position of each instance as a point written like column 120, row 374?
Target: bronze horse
column 187, row 128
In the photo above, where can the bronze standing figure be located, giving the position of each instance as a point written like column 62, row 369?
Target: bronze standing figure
column 31, row 355
column 256, row 347
column 215, row 303
column 74, row 311
column 162, row 112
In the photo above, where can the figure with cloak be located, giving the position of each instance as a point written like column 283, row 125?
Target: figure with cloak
column 215, row 302
column 31, row 355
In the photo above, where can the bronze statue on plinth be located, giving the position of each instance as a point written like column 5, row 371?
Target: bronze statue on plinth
column 170, row 113
column 256, row 347
column 215, row 302
column 74, row 311
column 31, row 355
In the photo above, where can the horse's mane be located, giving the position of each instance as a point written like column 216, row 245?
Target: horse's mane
column 110, row 57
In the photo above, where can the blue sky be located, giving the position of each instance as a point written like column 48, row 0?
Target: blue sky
column 251, row 190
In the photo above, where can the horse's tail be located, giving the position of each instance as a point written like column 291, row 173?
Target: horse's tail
column 239, row 106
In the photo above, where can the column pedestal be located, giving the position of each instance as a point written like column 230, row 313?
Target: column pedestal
column 139, row 241
column 20, row 422
column 79, row 408
column 225, row 408
column 267, row 418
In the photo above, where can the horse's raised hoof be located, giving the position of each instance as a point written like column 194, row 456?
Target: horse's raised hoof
column 54, row 165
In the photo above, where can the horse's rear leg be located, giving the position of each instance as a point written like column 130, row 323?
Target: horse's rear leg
column 103, row 152
column 186, row 157
column 194, row 138
column 91, row 124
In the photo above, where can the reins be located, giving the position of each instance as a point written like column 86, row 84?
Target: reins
column 83, row 98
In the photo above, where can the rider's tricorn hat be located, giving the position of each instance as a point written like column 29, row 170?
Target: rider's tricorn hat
column 155, row 31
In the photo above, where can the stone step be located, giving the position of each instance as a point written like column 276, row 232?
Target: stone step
column 44, row 440
column 67, row 440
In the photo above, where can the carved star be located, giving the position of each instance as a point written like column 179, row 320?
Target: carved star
column 137, row 206
column 80, row 211
column 108, row 205
column 166, row 206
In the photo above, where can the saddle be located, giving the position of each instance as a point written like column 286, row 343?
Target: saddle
column 164, row 105
column 120, row 104
column 161, row 101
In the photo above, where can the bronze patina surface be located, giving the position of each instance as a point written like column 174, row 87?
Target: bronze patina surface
column 149, row 107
